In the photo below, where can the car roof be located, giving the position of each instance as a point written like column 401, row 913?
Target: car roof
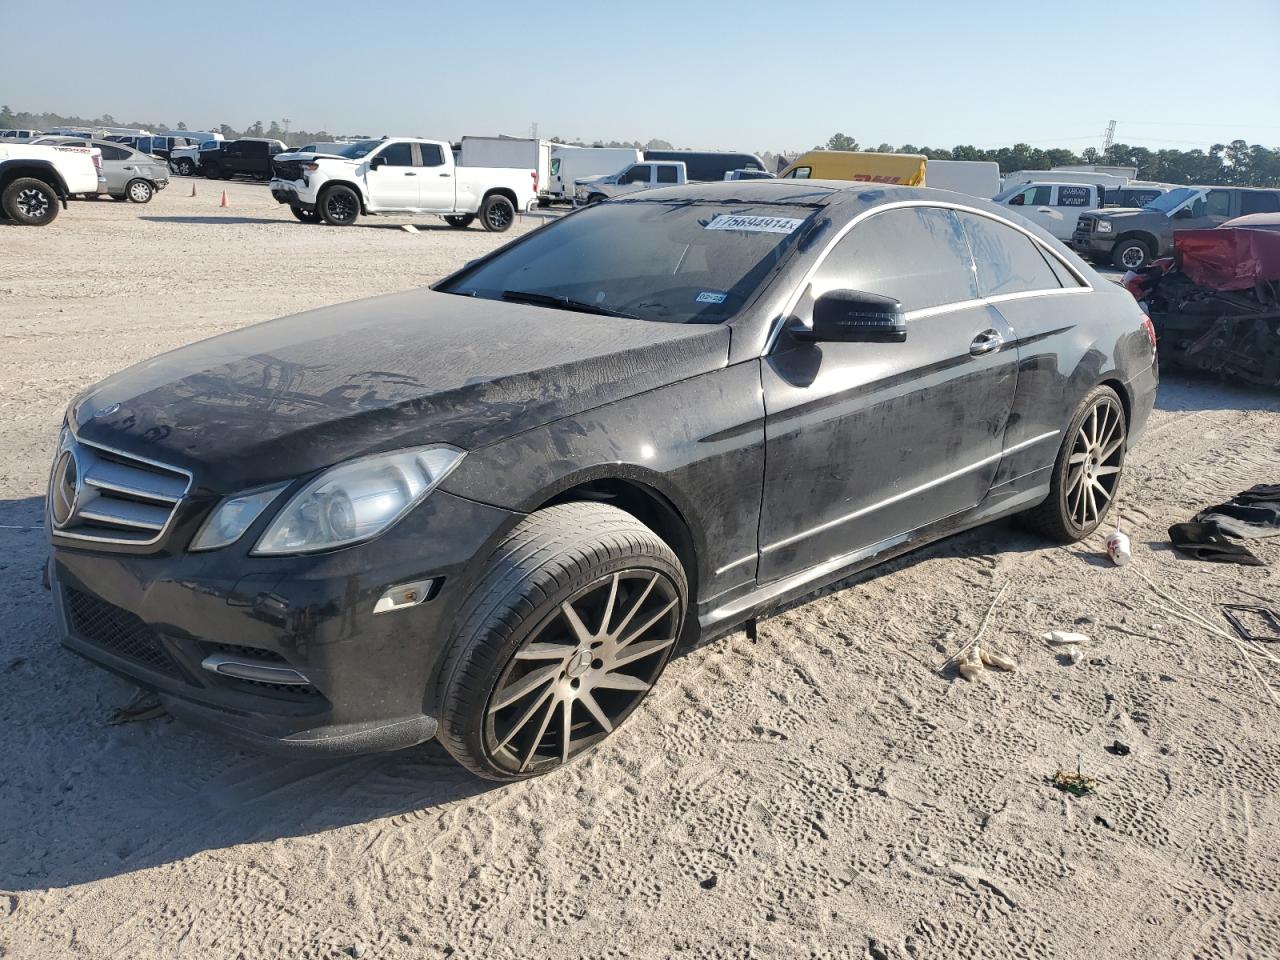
column 1256, row 221
column 858, row 194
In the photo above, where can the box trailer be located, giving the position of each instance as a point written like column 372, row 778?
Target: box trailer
column 523, row 154
column 977, row 178
column 569, row 164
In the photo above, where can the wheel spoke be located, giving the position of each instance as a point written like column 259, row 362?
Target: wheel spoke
column 566, row 707
column 1078, row 458
column 524, row 686
column 1102, row 491
column 579, row 628
column 1106, row 471
column 608, row 607
column 587, row 700
column 636, row 634
column 635, row 607
column 1108, row 452
column 528, row 715
column 1092, row 505
column 620, row 681
column 639, row 651
column 533, row 747
column 545, row 651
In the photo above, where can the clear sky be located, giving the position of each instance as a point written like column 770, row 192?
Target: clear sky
column 740, row 75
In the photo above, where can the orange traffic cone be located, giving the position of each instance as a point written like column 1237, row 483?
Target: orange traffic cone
column 224, row 199
column 193, row 188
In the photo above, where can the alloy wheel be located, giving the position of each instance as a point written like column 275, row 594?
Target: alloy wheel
column 1095, row 462
column 139, row 192
column 582, row 670
column 499, row 216
column 340, row 207
column 1132, row 257
column 32, row 202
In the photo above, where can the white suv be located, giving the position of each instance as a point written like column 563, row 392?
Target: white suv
column 400, row 176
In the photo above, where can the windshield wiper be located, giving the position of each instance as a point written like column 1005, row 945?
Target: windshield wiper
column 564, row 303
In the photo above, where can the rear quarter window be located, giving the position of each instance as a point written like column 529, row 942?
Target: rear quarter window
column 1008, row 261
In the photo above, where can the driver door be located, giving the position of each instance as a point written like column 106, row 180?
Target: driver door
column 393, row 179
column 867, row 442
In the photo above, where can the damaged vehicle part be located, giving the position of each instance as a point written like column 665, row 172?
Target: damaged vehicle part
column 490, row 510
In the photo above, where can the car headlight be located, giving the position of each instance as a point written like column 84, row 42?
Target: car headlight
column 357, row 500
column 233, row 517
column 1104, row 226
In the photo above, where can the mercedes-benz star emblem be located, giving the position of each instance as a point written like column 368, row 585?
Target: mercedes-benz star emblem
column 65, row 490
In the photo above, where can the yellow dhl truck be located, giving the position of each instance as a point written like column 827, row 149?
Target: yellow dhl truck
column 900, row 169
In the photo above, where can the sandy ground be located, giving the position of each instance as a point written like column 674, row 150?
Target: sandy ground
column 823, row 792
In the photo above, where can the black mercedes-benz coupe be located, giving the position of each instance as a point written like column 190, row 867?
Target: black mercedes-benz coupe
column 489, row 511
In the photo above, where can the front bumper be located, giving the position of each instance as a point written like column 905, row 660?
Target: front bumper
column 293, row 192
column 369, row 678
column 1092, row 245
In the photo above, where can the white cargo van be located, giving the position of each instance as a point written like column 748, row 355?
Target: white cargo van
column 522, row 154
column 977, row 178
column 570, row 164
column 1055, row 206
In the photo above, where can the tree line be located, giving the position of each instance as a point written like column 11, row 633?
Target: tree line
column 1237, row 163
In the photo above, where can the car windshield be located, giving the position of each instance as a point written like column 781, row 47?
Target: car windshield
column 1172, row 200
column 677, row 262
column 354, row 151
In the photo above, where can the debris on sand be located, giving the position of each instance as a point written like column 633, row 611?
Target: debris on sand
column 1076, row 784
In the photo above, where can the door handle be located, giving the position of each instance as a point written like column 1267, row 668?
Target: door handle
column 988, row 341
column 446, row 174
column 410, row 173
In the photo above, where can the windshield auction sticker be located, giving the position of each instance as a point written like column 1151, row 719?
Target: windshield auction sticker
column 726, row 221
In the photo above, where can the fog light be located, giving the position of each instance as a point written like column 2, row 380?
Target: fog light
column 404, row 595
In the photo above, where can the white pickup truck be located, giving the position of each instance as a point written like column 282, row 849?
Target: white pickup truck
column 644, row 175
column 34, row 180
column 400, row 175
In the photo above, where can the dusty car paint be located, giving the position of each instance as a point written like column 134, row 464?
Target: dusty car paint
column 770, row 464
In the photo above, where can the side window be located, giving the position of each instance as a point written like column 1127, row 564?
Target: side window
column 666, row 174
column 1218, row 204
column 1008, row 261
column 800, row 173
column 114, row 153
column 1198, row 207
column 431, row 155
column 398, row 155
column 1073, row 196
column 637, row 174
column 1251, row 202
column 917, row 255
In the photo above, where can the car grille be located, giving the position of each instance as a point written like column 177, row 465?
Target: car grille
column 111, row 497
column 287, row 169
column 119, row 631
column 1085, row 225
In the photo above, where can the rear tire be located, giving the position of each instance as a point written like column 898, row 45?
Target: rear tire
column 580, row 681
column 339, row 206
column 30, row 202
column 212, row 171
column 497, row 213
column 1131, row 254
column 139, row 191
column 461, row 221
column 1088, row 470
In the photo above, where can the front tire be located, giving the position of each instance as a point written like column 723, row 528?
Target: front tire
column 497, row 213
column 303, row 214
column 1087, row 473
column 339, row 206
column 1131, row 254
column 570, row 627
column 461, row 221
column 184, row 167
column 30, row 202
column 212, row 171
column 139, row 191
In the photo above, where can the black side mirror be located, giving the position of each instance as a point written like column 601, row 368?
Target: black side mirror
column 377, row 162
column 851, row 316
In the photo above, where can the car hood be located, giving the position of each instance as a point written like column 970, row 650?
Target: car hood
column 1121, row 213
column 289, row 396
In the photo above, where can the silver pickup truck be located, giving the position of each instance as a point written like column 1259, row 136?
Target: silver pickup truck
column 1132, row 238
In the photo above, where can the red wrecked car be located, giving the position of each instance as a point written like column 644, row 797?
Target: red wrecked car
column 1215, row 303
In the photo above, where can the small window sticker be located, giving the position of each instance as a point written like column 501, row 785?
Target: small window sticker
column 707, row 296
column 725, row 221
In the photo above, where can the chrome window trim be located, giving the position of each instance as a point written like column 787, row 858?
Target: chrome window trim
column 121, row 541
column 794, row 299
column 888, row 501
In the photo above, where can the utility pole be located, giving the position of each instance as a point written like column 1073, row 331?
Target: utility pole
column 1110, row 137
column 286, row 121
column 533, row 130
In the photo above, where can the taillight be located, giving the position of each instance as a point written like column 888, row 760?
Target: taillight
column 97, row 162
column 534, row 174
column 1150, row 329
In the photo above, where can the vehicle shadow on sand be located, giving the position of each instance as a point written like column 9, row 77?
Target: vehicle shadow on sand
column 85, row 798
column 213, row 220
